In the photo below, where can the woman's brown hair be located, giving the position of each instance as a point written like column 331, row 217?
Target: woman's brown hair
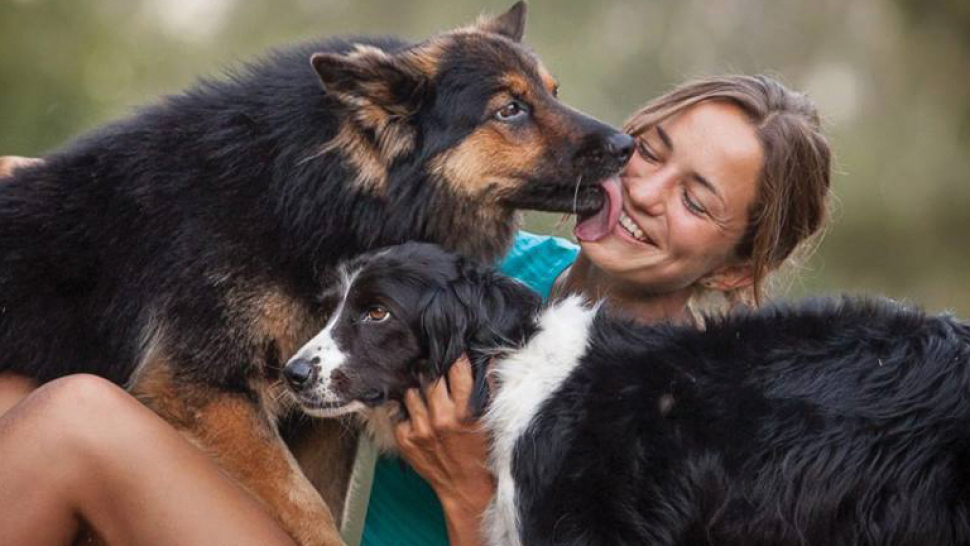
column 794, row 182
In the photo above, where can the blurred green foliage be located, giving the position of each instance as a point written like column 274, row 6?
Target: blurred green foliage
column 890, row 76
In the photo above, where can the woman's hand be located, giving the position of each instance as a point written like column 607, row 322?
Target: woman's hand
column 448, row 448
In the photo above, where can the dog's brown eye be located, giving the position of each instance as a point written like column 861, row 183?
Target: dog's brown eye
column 511, row 111
column 378, row 313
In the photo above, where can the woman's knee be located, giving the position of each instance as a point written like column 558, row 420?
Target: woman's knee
column 78, row 412
column 82, row 398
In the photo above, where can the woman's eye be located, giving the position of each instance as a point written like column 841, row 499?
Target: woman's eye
column 645, row 152
column 692, row 205
column 377, row 313
column 511, row 111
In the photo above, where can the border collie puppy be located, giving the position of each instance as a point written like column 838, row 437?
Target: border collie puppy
column 828, row 422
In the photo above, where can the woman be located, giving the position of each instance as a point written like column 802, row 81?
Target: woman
column 730, row 176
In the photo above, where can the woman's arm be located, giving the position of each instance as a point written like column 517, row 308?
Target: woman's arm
column 448, row 449
column 8, row 163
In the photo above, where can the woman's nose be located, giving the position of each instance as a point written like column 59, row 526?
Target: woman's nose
column 650, row 191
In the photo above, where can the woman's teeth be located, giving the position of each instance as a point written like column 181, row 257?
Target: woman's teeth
column 632, row 228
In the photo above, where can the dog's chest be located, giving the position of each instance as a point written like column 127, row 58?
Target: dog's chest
column 525, row 380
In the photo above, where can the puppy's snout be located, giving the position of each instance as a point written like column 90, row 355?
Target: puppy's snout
column 300, row 373
column 339, row 381
column 620, row 146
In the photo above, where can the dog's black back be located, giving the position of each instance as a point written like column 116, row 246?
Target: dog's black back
column 831, row 421
column 200, row 231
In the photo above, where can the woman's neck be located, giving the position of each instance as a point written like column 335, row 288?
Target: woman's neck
column 584, row 278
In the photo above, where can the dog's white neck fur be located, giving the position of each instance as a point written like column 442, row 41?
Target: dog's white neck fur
column 524, row 380
column 379, row 425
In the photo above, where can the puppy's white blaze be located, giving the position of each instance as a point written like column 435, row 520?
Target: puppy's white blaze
column 324, row 346
column 525, row 379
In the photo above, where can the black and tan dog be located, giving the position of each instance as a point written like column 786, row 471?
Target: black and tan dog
column 182, row 252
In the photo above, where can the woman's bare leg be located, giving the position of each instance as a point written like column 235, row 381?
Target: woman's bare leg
column 80, row 449
column 13, row 389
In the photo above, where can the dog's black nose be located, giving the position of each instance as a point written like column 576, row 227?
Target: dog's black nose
column 300, row 373
column 620, row 146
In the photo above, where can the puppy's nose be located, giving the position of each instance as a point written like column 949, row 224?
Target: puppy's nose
column 300, row 373
column 620, row 146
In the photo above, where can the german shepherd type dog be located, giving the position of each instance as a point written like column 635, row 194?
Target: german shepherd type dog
column 828, row 422
column 182, row 252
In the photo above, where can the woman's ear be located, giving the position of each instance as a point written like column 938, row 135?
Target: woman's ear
column 728, row 278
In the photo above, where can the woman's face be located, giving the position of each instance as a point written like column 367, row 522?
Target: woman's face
column 686, row 193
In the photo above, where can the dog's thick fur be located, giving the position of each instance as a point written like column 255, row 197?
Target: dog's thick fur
column 182, row 252
column 834, row 421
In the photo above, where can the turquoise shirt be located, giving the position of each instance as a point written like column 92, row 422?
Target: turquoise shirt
column 403, row 509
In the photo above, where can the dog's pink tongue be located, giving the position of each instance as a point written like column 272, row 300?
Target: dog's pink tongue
column 598, row 225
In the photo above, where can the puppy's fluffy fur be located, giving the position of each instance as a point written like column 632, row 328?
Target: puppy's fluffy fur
column 833, row 421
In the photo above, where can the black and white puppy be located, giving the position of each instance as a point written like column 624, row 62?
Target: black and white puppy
column 830, row 422
column 399, row 317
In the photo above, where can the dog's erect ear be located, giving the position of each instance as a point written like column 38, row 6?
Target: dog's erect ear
column 510, row 24
column 369, row 75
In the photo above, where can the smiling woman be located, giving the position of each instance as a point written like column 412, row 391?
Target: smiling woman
column 729, row 177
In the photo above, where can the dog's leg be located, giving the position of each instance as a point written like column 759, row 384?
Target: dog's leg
column 242, row 437
column 325, row 450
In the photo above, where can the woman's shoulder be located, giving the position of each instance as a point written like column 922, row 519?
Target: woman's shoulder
column 537, row 260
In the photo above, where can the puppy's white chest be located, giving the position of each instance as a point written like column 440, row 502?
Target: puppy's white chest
column 525, row 379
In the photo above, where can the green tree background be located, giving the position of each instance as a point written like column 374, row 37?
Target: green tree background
column 890, row 76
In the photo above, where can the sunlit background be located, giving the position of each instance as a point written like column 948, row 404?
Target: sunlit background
column 892, row 78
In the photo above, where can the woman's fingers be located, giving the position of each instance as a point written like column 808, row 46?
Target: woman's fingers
column 461, row 383
column 441, row 408
column 9, row 163
column 420, row 424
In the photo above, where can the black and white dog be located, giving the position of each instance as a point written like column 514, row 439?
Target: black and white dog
column 830, row 422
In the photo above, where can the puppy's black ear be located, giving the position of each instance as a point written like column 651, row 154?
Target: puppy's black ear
column 371, row 76
column 444, row 325
column 510, row 24
column 507, row 319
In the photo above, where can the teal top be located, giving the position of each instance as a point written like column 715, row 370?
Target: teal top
column 403, row 509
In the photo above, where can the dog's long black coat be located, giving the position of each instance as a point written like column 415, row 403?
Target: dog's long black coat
column 832, row 421
column 194, row 206
column 196, row 192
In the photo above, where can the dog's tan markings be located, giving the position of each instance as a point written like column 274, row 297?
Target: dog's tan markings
column 243, row 439
column 425, row 57
column 548, row 81
column 283, row 319
column 487, row 160
column 352, row 145
column 325, row 450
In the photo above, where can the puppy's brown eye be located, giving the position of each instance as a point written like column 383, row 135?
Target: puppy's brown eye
column 377, row 313
column 511, row 111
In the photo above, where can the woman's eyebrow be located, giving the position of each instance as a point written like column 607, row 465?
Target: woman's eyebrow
column 669, row 144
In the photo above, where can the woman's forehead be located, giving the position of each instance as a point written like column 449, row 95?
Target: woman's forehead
column 719, row 142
